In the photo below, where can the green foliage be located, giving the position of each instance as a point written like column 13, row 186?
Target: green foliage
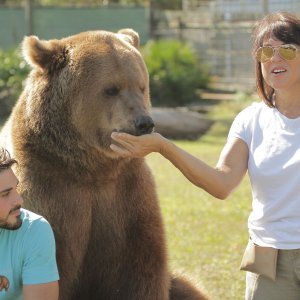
column 176, row 72
column 13, row 71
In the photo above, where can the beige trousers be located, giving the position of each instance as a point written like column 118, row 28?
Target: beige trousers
column 287, row 283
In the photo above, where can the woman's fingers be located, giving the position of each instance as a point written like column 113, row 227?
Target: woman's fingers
column 124, row 137
column 135, row 146
column 121, row 151
column 124, row 143
column 116, row 148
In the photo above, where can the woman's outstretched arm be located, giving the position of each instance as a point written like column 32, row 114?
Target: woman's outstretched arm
column 219, row 181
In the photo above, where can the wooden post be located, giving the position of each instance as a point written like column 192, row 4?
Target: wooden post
column 265, row 7
column 28, row 17
column 151, row 19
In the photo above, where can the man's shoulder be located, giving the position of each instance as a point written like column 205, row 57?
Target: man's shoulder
column 32, row 222
column 34, row 233
column 31, row 217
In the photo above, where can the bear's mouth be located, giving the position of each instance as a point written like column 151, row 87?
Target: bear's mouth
column 136, row 132
column 144, row 131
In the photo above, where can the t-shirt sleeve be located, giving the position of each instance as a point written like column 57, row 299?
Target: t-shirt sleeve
column 241, row 125
column 40, row 254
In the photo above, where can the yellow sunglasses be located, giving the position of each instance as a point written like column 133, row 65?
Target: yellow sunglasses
column 287, row 52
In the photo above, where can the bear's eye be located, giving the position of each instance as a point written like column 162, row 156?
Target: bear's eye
column 112, row 91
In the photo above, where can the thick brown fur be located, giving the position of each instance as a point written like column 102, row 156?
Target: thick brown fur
column 103, row 208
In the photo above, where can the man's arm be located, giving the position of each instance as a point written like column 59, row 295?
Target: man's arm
column 39, row 273
column 44, row 291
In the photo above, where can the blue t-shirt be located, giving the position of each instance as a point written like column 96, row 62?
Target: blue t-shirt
column 27, row 255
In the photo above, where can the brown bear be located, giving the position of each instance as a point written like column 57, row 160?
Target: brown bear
column 103, row 208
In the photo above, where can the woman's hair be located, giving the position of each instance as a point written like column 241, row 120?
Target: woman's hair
column 282, row 26
column 5, row 160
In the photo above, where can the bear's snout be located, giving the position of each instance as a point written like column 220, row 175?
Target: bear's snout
column 143, row 125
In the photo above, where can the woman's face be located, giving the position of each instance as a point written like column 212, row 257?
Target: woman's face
column 279, row 73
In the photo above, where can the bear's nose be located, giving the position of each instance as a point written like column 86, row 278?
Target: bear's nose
column 143, row 125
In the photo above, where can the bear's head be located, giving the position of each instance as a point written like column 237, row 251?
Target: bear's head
column 84, row 87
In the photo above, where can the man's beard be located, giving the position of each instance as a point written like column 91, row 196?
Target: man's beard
column 5, row 225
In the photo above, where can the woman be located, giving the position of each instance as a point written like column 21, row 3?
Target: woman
column 264, row 140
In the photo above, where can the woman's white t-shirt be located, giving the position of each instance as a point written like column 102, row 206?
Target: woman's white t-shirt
column 274, row 170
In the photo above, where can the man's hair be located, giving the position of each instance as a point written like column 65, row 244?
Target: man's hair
column 5, row 160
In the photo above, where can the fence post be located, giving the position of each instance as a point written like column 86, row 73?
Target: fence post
column 265, row 7
column 28, row 17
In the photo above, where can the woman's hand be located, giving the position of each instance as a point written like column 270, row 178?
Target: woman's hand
column 136, row 146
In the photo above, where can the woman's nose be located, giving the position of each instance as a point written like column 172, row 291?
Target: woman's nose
column 276, row 56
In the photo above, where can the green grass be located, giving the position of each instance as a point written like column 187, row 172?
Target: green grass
column 206, row 236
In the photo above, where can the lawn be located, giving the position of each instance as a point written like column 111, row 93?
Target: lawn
column 206, row 236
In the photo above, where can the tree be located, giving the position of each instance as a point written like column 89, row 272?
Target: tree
column 166, row 4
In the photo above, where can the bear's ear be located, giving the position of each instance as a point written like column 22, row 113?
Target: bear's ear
column 130, row 36
column 44, row 54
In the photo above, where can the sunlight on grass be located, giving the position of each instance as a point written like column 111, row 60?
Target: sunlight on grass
column 206, row 236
